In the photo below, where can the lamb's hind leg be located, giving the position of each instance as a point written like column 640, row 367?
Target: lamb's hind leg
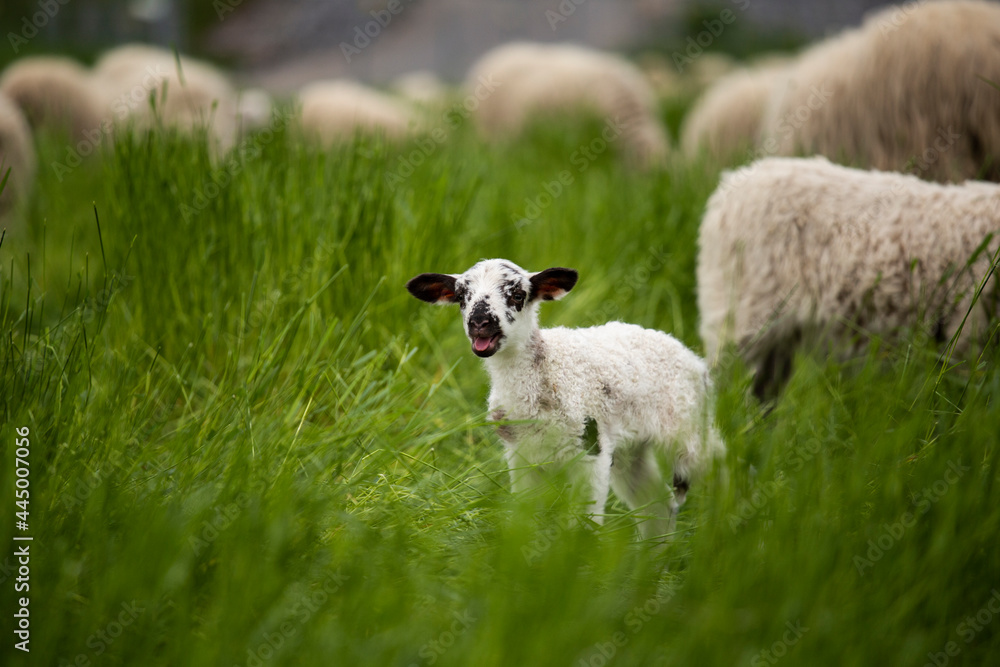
column 597, row 452
column 637, row 480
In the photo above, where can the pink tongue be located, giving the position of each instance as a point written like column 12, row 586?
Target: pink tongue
column 480, row 344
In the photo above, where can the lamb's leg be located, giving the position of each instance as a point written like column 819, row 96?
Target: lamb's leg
column 637, row 481
column 600, row 480
column 523, row 475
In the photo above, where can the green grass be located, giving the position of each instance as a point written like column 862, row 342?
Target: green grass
column 250, row 446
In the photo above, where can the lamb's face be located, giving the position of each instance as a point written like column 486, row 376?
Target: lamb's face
column 499, row 300
column 496, row 310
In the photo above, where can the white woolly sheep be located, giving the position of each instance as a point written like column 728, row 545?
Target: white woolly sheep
column 642, row 390
column 799, row 246
column 421, row 87
column 708, row 68
column 726, row 119
column 17, row 153
column 335, row 110
column 55, row 93
column 254, row 108
column 908, row 91
column 195, row 95
column 661, row 74
column 530, row 80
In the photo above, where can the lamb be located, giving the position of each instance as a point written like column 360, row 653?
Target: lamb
column 793, row 247
column 899, row 93
column 17, row 153
column 529, row 80
column 55, row 93
column 190, row 94
column 335, row 110
column 644, row 392
column 726, row 119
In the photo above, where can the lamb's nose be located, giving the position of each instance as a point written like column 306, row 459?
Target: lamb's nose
column 479, row 322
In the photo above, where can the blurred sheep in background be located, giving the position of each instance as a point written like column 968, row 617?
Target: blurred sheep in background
column 55, row 93
column 17, row 154
column 726, row 119
column 912, row 89
column 536, row 80
column 335, row 110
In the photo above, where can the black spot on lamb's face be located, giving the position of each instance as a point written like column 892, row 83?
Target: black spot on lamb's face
column 494, row 297
column 498, row 301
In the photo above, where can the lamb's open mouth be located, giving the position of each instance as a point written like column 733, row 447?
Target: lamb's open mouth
column 485, row 346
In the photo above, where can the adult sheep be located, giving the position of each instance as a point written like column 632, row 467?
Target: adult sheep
column 55, row 93
column 17, row 153
column 334, row 110
column 518, row 82
column 422, row 87
column 907, row 91
column 189, row 94
column 726, row 119
column 799, row 246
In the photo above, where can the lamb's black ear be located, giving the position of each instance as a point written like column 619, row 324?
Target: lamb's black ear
column 552, row 283
column 433, row 288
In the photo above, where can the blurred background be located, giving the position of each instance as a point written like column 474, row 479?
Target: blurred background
column 281, row 44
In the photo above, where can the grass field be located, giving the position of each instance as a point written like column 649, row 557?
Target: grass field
column 250, row 446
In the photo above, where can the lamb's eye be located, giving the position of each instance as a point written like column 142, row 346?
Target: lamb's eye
column 518, row 297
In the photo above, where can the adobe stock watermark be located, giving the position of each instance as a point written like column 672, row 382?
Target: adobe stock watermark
column 432, row 651
column 299, row 613
column 763, row 492
column 967, row 630
column 581, row 158
column 562, row 12
column 222, row 517
column 289, row 283
column 899, row 16
column 122, row 107
column 363, row 35
column 452, row 119
column 714, row 28
column 602, row 653
column 40, row 352
column 545, row 538
column 625, row 290
column 779, row 649
column 918, row 166
column 787, row 124
column 219, row 179
column 891, row 534
column 101, row 640
column 223, row 7
column 86, row 485
column 30, row 26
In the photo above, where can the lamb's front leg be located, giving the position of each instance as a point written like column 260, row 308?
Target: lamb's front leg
column 600, row 481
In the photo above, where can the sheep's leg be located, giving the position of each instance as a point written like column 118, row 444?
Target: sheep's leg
column 523, row 476
column 600, row 479
column 637, row 481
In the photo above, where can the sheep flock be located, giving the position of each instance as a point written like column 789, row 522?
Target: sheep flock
column 854, row 154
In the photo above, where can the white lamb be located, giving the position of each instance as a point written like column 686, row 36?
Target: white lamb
column 644, row 392
column 792, row 246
